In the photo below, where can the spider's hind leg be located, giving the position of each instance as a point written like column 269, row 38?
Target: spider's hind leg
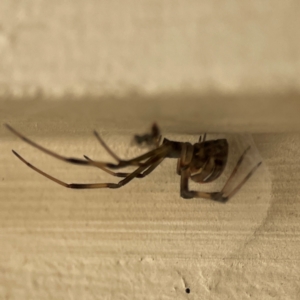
column 216, row 196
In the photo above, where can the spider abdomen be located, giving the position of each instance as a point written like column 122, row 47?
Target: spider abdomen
column 209, row 160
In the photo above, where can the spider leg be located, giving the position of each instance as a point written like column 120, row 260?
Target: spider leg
column 158, row 141
column 236, row 189
column 239, row 162
column 185, row 157
column 204, row 138
column 104, row 145
column 143, row 171
column 188, row 194
column 178, row 168
column 121, row 174
column 161, row 151
column 217, row 196
column 117, row 174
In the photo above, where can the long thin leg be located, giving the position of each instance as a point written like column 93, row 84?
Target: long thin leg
column 204, row 138
column 185, row 157
column 217, row 196
column 178, row 168
column 119, row 174
column 106, row 147
column 158, row 141
column 236, row 189
column 149, row 166
column 161, row 151
column 188, row 194
column 239, row 162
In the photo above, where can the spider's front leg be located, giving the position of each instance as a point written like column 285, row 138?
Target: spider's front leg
column 137, row 161
column 142, row 171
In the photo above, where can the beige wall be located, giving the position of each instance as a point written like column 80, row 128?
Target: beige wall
column 68, row 67
column 99, row 47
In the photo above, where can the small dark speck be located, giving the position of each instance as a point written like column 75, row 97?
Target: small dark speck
column 187, row 290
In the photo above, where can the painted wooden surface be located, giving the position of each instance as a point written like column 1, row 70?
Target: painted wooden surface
column 69, row 67
column 112, row 47
column 144, row 241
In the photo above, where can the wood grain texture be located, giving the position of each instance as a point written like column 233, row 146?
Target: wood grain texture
column 69, row 67
column 144, row 241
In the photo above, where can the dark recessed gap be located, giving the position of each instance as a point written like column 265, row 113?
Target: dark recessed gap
column 187, row 290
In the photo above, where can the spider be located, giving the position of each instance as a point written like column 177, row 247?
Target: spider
column 202, row 162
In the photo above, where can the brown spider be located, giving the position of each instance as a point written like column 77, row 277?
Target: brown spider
column 202, row 162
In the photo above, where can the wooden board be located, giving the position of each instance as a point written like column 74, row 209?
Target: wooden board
column 144, row 241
